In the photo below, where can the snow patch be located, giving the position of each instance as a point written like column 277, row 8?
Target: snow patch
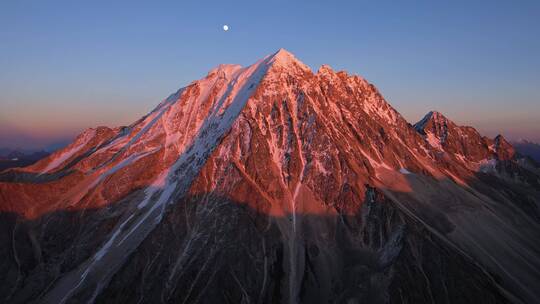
column 404, row 171
column 434, row 141
column 68, row 153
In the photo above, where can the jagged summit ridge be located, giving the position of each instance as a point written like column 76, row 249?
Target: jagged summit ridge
column 464, row 143
column 283, row 60
column 433, row 117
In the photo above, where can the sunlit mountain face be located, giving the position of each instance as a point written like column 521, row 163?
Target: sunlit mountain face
column 272, row 183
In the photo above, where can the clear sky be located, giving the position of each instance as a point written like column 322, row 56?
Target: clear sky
column 69, row 65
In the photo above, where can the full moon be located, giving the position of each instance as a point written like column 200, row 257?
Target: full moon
column 225, row 27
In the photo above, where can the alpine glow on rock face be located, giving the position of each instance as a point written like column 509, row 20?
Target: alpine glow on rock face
column 272, row 183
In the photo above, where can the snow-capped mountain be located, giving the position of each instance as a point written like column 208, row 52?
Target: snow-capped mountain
column 274, row 184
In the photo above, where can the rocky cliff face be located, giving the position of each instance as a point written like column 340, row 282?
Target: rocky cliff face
column 273, row 184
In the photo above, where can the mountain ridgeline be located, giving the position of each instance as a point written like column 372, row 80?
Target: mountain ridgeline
column 274, row 184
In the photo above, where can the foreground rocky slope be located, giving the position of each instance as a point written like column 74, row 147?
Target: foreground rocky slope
column 274, row 184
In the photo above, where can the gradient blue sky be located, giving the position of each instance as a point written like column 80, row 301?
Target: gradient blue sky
column 69, row 65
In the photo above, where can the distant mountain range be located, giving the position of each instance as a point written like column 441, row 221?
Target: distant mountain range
column 11, row 158
column 528, row 148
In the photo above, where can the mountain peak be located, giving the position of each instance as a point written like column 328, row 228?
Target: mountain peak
column 500, row 141
column 432, row 116
column 285, row 59
column 283, row 55
column 503, row 148
column 283, row 52
column 435, row 127
column 437, row 116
